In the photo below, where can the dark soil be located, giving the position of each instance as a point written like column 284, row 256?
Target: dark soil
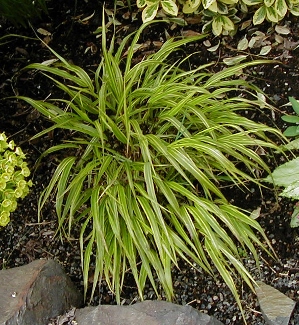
column 71, row 34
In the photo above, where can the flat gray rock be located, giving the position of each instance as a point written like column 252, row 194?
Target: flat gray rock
column 276, row 307
column 144, row 313
column 34, row 293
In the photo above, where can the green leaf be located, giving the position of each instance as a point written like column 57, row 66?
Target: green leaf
column 170, row 7
column 286, row 174
column 292, row 145
column 291, row 191
column 295, row 104
column 290, row 118
column 260, row 15
column 291, row 131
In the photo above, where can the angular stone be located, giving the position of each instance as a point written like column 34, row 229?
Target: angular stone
column 147, row 312
column 276, row 307
column 33, row 293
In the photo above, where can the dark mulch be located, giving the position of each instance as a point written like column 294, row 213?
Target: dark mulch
column 72, row 36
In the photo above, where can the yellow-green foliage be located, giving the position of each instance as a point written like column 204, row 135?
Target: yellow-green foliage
column 13, row 171
column 222, row 16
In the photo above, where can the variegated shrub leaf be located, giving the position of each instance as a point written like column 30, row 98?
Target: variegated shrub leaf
column 141, row 3
column 150, row 11
column 243, row 44
column 170, row 7
column 281, row 7
column 190, row 6
column 259, row 15
column 243, row 7
column 265, row 49
column 222, row 8
column 232, row 11
column 295, row 11
column 221, row 23
column 214, row 7
column 217, row 25
column 272, row 14
column 208, row 3
column 227, row 23
column 268, row 3
column 252, row 2
column 229, row 2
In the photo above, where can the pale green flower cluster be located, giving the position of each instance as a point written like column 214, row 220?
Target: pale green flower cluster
column 13, row 171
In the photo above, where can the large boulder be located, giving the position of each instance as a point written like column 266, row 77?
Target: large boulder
column 147, row 312
column 34, row 293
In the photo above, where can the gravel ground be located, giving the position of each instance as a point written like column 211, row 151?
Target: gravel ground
column 24, row 240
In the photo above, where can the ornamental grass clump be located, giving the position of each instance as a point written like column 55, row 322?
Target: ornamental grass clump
column 13, row 174
column 150, row 147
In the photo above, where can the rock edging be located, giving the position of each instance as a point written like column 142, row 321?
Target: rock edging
column 34, row 294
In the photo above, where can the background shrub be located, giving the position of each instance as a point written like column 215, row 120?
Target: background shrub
column 222, row 16
column 19, row 12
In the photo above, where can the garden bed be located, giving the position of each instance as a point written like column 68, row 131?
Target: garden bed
column 71, row 34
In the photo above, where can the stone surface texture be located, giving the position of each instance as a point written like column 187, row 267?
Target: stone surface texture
column 33, row 293
column 147, row 312
column 275, row 306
